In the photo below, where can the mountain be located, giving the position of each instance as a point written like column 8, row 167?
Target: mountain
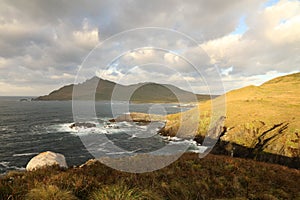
column 143, row 92
column 265, row 118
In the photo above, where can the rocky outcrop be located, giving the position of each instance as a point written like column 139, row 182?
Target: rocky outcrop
column 47, row 158
column 139, row 117
column 82, row 125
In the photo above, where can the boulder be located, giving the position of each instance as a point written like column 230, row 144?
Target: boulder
column 47, row 158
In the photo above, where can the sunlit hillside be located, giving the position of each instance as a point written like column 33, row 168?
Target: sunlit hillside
column 266, row 115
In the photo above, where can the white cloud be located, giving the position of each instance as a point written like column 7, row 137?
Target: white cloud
column 272, row 42
column 87, row 37
column 63, row 76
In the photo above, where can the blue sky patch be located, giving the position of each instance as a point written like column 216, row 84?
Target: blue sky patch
column 270, row 3
column 242, row 27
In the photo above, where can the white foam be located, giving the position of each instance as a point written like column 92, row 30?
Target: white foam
column 7, row 128
column 5, row 164
column 24, row 154
column 131, row 128
column 169, row 138
column 193, row 145
column 99, row 129
column 63, row 127
column 201, row 149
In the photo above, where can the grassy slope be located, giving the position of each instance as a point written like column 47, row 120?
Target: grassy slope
column 259, row 108
column 213, row 177
column 251, row 111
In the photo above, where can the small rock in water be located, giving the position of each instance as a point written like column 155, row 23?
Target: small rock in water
column 47, row 158
column 82, row 125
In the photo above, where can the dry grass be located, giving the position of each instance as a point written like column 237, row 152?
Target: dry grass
column 49, row 192
column 214, row 177
column 121, row 192
column 275, row 102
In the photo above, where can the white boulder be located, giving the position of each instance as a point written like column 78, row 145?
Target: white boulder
column 47, row 158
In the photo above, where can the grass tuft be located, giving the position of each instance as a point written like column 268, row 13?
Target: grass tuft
column 50, row 192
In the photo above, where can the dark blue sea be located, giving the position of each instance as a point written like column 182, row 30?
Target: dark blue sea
column 30, row 127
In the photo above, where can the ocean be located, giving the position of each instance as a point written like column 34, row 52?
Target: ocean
column 30, row 127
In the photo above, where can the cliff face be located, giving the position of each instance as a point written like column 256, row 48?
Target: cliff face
column 143, row 92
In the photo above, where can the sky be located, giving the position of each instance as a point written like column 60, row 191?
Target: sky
column 47, row 44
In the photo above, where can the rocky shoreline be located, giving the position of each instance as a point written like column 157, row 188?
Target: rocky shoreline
column 215, row 144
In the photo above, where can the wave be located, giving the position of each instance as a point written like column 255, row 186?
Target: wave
column 105, row 127
column 5, row 167
column 24, row 154
column 4, row 164
column 134, row 130
column 7, row 129
column 193, row 146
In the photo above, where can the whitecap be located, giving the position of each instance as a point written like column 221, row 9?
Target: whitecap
column 169, row 138
column 24, row 154
column 4, row 164
column 193, row 146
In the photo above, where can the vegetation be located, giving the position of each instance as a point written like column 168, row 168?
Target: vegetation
column 213, row 177
column 121, row 192
column 49, row 192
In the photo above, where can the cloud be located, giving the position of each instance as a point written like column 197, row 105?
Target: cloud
column 270, row 44
column 45, row 42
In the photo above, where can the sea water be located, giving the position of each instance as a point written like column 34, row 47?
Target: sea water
column 30, row 127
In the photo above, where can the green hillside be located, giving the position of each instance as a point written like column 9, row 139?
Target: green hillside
column 143, row 92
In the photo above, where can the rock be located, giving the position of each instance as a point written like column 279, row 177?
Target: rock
column 139, row 117
column 82, row 125
column 89, row 163
column 47, row 158
column 24, row 100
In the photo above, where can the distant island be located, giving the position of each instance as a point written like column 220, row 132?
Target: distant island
column 144, row 93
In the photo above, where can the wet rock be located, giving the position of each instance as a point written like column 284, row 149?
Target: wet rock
column 82, row 125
